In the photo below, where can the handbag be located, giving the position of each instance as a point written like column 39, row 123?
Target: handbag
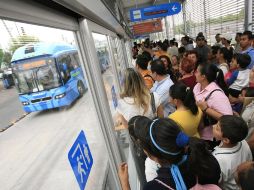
column 208, row 120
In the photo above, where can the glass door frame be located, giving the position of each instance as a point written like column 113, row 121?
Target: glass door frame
column 95, row 80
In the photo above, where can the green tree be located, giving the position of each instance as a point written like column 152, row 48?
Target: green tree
column 21, row 41
column 1, row 57
column 7, row 58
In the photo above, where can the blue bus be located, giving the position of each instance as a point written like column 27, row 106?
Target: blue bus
column 47, row 75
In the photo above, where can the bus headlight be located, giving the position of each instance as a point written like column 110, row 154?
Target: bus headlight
column 25, row 103
column 59, row 96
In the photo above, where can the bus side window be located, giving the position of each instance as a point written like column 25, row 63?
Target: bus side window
column 76, row 59
column 65, row 67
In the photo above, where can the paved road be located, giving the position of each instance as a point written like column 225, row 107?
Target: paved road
column 10, row 107
column 34, row 151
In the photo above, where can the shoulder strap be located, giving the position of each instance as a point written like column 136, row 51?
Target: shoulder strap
column 164, row 184
column 147, row 75
column 153, row 103
column 209, row 95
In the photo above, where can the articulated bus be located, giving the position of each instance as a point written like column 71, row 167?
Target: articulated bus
column 47, row 75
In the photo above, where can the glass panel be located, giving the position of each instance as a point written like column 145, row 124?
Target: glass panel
column 122, row 136
column 119, row 60
column 41, row 119
column 102, row 48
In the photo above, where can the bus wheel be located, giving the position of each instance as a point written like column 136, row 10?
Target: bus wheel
column 81, row 89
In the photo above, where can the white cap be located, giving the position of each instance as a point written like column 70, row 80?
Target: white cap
column 227, row 36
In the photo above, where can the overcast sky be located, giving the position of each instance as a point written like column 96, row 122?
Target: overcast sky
column 45, row 34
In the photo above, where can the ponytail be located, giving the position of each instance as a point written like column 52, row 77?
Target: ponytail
column 214, row 74
column 185, row 94
column 220, row 81
column 189, row 101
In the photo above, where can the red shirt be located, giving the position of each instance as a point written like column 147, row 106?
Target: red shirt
column 189, row 81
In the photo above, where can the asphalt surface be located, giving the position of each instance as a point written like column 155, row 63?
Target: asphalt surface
column 34, row 151
column 10, row 107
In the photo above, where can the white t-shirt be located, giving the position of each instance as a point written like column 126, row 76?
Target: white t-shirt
column 128, row 109
column 224, row 68
column 162, row 89
column 229, row 159
column 151, row 168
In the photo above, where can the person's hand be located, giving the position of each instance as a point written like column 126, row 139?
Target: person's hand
column 202, row 104
column 121, row 122
column 123, row 175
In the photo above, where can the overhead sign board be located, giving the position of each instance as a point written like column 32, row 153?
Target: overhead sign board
column 81, row 160
column 147, row 27
column 162, row 10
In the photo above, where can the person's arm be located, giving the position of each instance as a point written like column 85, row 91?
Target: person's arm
column 120, row 122
column 251, row 142
column 206, row 109
column 160, row 111
column 233, row 77
column 123, row 176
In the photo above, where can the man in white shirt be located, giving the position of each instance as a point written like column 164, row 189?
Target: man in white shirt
column 162, row 85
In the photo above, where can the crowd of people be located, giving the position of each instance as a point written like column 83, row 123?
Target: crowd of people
column 191, row 110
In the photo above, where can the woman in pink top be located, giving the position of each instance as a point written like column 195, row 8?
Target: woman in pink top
column 210, row 95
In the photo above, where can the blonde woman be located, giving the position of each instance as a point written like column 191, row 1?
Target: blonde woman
column 136, row 98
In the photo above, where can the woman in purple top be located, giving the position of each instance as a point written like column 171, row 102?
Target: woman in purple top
column 210, row 94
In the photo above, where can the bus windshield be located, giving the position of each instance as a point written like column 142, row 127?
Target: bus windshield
column 35, row 76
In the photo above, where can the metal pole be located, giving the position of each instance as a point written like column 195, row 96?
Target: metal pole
column 167, row 28
column 248, row 15
column 205, row 18
column 184, row 19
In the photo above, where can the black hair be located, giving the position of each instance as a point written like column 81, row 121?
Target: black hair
column 245, row 178
column 249, row 92
column 239, row 33
column 248, row 34
column 217, row 34
column 243, row 60
column 172, row 42
column 148, row 55
column 163, row 46
column 164, row 133
column 181, row 50
column 142, row 61
column 214, row 74
column 170, row 69
column 181, row 92
column 215, row 49
column 158, row 67
column 234, row 128
column 226, row 54
column 199, row 37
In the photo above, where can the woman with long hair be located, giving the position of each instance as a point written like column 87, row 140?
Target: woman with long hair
column 211, row 95
column 183, row 98
column 166, row 61
column 136, row 98
column 163, row 141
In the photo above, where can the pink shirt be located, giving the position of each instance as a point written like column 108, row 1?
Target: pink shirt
column 217, row 101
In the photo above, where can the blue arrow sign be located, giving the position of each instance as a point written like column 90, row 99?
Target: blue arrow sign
column 81, row 160
column 158, row 11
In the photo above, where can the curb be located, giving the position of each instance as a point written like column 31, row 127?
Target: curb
column 13, row 122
